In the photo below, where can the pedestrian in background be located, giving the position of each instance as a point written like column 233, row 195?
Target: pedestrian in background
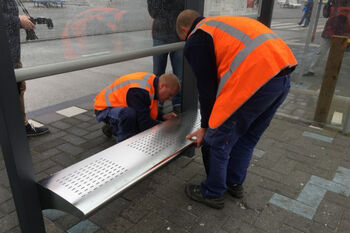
column 243, row 75
column 307, row 13
column 14, row 23
column 164, row 14
column 338, row 23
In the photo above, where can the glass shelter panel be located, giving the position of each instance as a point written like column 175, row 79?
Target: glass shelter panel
column 90, row 28
column 85, row 28
column 307, row 29
column 235, row 8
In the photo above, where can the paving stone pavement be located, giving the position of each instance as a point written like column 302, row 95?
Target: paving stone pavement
column 298, row 181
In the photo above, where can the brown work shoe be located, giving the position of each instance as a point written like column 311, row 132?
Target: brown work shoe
column 193, row 192
column 236, row 190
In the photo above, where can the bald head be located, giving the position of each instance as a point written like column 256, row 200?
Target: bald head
column 184, row 22
column 168, row 87
column 170, row 80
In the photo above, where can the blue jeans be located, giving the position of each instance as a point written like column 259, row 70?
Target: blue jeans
column 121, row 119
column 160, row 62
column 306, row 18
column 227, row 150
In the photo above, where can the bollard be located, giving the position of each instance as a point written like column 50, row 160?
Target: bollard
column 330, row 78
column 346, row 126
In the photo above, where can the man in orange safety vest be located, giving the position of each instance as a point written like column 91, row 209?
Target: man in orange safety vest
column 130, row 104
column 243, row 73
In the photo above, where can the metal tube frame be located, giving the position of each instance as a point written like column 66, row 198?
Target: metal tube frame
column 265, row 12
column 90, row 62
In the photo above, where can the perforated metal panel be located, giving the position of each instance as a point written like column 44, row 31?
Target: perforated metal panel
column 92, row 176
column 153, row 143
column 84, row 186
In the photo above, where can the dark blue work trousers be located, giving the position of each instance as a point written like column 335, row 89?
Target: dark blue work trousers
column 227, row 150
column 160, row 62
column 122, row 120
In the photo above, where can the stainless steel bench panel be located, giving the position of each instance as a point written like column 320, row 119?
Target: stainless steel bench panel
column 84, row 186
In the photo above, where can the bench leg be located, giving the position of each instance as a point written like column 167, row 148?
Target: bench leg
column 188, row 152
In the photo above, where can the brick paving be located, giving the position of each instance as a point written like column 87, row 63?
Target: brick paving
column 310, row 174
column 297, row 182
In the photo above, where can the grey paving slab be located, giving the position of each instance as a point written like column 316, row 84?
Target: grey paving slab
column 282, row 190
column 257, row 197
column 343, row 176
column 285, row 166
column 271, row 219
column 338, row 187
column 75, row 140
column 61, row 125
column 258, row 153
column 51, row 226
column 49, row 118
column 52, row 214
column 329, row 214
column 8, row 222
column 318, row 137
column 118, row 225
column 293, row 206
column 85, row 226
column 311, row 195
column 5, row 194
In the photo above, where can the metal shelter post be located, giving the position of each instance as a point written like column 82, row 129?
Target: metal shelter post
column 189, row 88
column 330, row 78
column 15, row 146
column 189, row 100
column 197, row 5
column 310, row 33
column 266, row 10
column 319, row 6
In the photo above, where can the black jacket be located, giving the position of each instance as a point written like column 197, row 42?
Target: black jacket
column 199, row 51
column 10, row 12
column 164, row 13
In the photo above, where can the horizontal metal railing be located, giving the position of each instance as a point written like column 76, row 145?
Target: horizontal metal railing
column 90, row 62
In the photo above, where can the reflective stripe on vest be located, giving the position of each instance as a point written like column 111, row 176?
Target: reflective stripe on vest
column 241, row 74
column 115, row 94
column 143, row 84
column 250, row 45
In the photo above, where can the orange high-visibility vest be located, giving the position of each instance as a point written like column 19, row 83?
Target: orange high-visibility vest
column 115, row 94
column 248, row 54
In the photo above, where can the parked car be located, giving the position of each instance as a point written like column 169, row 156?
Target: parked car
column 289, row 3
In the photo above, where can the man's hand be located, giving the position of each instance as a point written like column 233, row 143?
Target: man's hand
column 169, row 116
column 26, row 23
column 197, row 136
